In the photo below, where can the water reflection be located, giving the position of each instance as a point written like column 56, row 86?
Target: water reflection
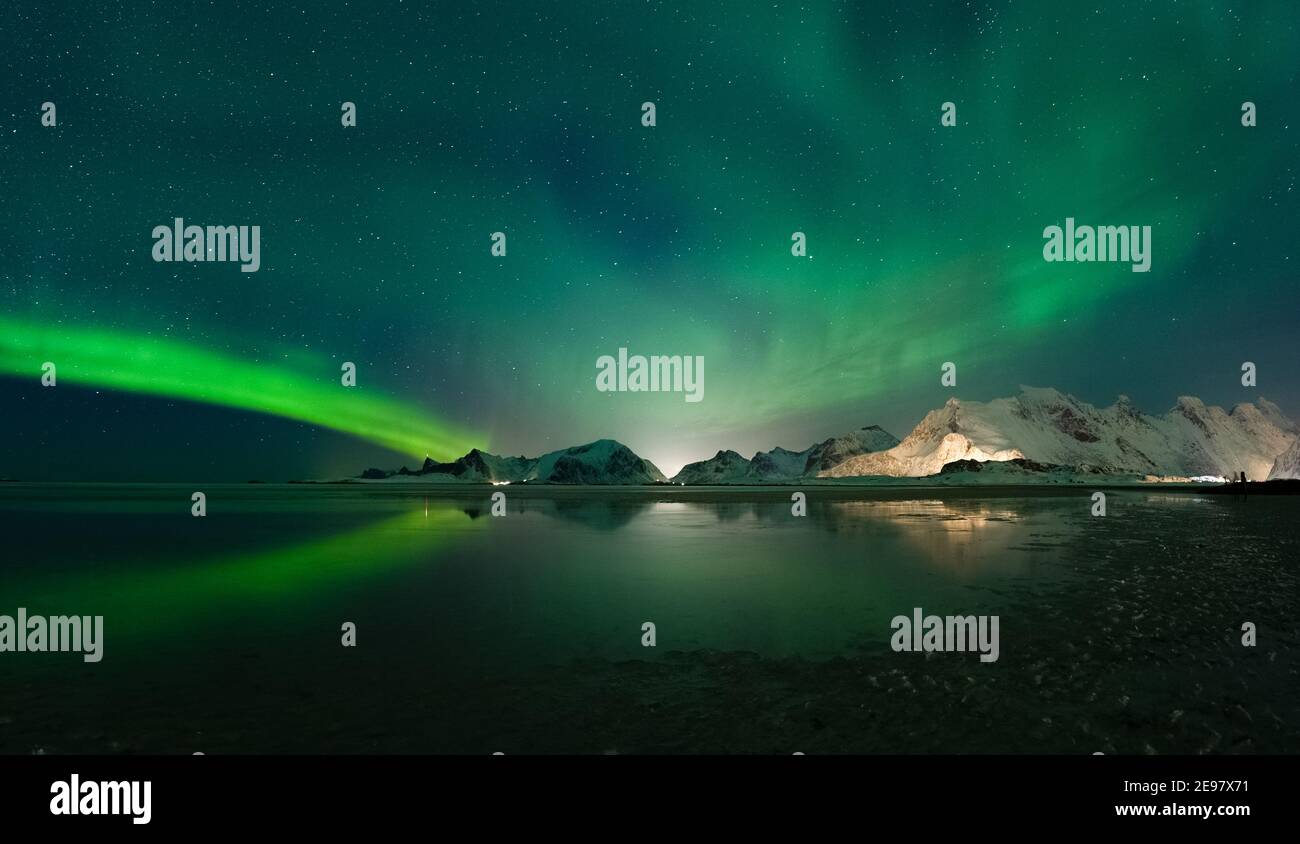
column 959, row 536
column 600, row 513
column 565, row 573
column 145, row 598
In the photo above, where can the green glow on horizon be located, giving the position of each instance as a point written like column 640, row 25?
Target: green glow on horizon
column 137, row 363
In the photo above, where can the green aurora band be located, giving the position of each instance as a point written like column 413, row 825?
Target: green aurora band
column 89, row 357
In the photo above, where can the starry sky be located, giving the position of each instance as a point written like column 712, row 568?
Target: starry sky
column 924, row 241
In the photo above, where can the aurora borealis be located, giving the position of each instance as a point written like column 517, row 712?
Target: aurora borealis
column 167, row 368
column 924, row 242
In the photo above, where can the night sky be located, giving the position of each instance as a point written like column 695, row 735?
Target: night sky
column 924, row 241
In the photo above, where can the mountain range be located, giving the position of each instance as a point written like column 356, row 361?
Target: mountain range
column 778, row 465
column 1039, row 433
column 1050, row 427
column 599, row 462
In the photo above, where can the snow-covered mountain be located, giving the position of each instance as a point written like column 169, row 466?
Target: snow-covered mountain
column 725, row 467
column 479, row 466
column 1049, row 427
column 779, row 464
column 836, row 450
column 1287, row 464
column 599, row 462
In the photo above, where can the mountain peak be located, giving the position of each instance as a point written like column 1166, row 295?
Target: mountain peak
column 1274, row 415
column 595, row 445
column 1045, row 395
column 1125, row 409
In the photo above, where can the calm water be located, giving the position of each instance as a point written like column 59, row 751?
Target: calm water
column 222, row 634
